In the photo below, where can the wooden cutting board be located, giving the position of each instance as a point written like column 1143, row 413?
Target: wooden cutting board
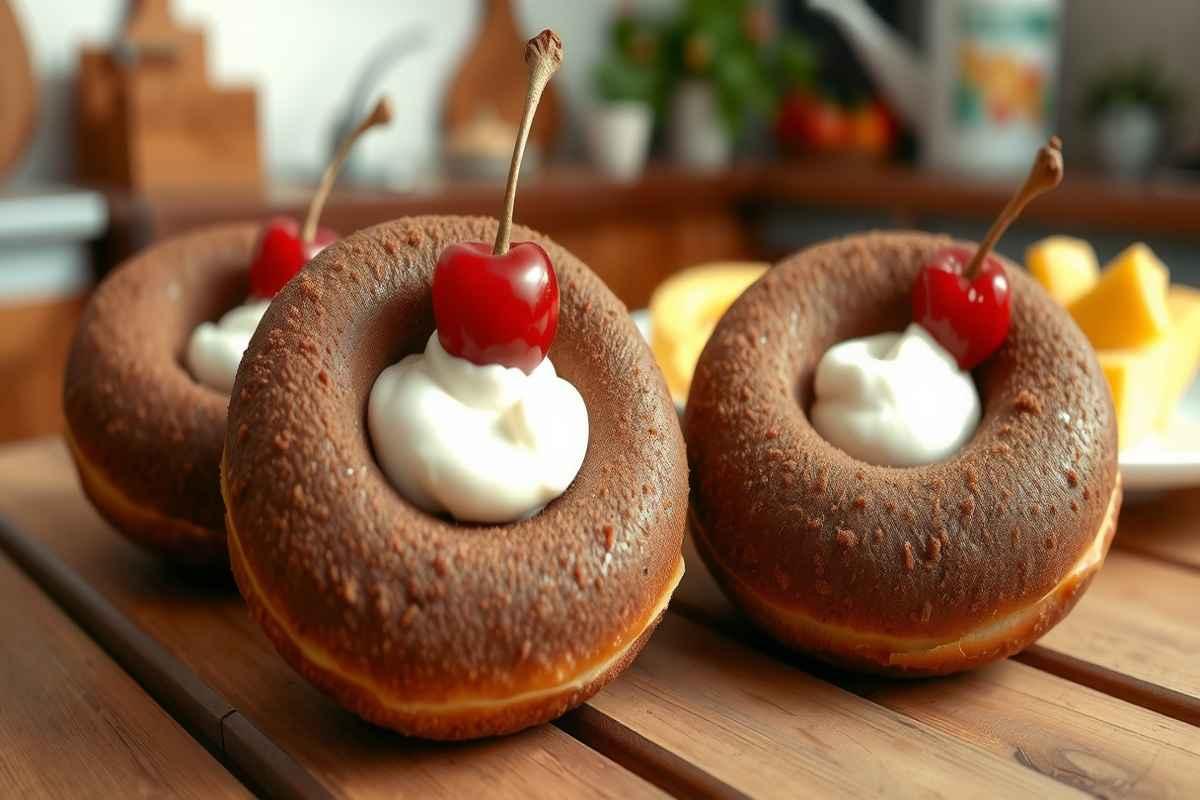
column 18, row 92
column 148, row 118
column 492, row 79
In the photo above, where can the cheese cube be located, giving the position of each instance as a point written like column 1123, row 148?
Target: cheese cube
column 684, row 311
column 1065, row 267
column 1183, row 349
column 1136, row 378
column 1127, row 308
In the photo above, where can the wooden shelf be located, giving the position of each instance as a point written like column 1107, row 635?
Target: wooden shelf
column 635, row 234
column 563, row 196
column 1083, row 200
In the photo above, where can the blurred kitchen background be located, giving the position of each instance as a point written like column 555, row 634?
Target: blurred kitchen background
column 678, row 132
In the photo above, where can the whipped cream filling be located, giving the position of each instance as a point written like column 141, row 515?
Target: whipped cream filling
column 894, row 399
column 483, row 443
column 215, row 348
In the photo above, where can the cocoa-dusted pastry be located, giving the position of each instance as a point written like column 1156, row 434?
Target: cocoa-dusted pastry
column 465, row 533
column 853, row 495
column 147, row 380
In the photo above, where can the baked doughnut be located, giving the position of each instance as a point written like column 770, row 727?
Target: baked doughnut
column 416, row 622
column 146, row 437
column 913, row 571
column 147, row 379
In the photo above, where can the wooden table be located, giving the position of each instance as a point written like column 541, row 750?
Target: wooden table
column 1107, row 704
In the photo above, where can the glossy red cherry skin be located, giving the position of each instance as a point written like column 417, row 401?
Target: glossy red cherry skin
column 968, row 318
column 281, row 254
column 494, row 309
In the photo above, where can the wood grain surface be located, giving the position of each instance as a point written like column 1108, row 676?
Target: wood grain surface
column 1077, row 735
column 35, row 338
column 18, row 91
column 1140, row 618
column 771, row 730
column 710, row 708
column 1165, row 527
column 74, row 724
column 204, row 625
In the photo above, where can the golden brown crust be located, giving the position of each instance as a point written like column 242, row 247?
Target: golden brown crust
column 140, row 424
column 424, row 608
column 177, row 539
column 931, row 551
column 910, row 657
column 355, row 691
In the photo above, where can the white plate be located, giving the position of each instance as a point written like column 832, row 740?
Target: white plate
column 1170, row 460
column 1166, row 461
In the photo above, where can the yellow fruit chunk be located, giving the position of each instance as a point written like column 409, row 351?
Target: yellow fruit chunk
column 1127, row 308
column 1136, row 378
column 1065, row 267
column 1183, row 349
column 685, row 309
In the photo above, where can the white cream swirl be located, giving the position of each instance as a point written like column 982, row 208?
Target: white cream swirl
column 484, row 443
column 894, row 399
column 215, row 349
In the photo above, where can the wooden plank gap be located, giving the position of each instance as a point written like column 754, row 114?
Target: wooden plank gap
column 196, row 707
column 1152, row 697
column 201, row 711
column 644, row 758
column 275, row 772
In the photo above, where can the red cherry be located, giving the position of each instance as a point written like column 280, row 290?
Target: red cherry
column 969, row 318
column 496, row 309
column 281, row 254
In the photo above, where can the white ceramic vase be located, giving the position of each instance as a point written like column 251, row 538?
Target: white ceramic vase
column 697, row 136
column 618, row 137
column 1128, row 139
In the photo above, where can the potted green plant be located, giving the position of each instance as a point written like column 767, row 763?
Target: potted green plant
column 716, row 63
column 628, row 86
column 1128, row 107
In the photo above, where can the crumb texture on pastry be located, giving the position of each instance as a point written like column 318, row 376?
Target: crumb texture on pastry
column 134, row 413
column 419, row 606
column 931, row 551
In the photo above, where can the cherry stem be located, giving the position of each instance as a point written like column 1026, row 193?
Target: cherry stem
column 380, row 115
column 1046, row 173
column 544, row 55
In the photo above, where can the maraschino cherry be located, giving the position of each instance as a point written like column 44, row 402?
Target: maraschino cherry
column 284, row 247
column 498, row 304
column 962, row 298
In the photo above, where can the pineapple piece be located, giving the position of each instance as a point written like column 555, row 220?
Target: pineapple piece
column 685, row 309
column 1065, row 267
column 1127, row 308
column 1183, row 349
column 1136, row 378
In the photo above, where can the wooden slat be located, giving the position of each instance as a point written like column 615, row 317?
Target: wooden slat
column 204, row 626
column 1135, row 634
column 1078, row 736
column 662, row 767
column 203, row 712
column 1141, row 618
column 1075, row 734
column 73, row 724
column 771, row 730
column 1166, row 527
column 1037, row 726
